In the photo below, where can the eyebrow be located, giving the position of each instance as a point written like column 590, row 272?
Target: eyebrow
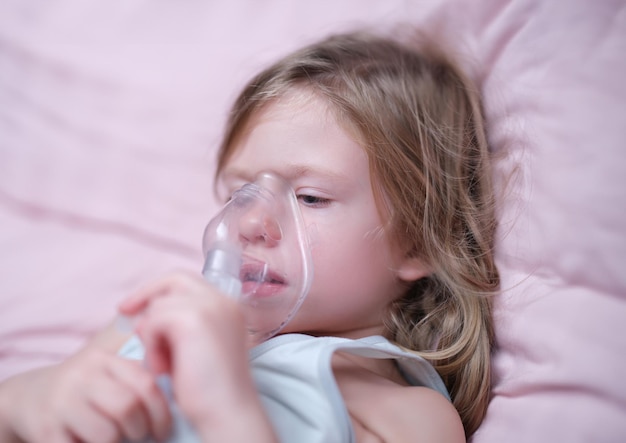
column 289, row 172
column 295, row 171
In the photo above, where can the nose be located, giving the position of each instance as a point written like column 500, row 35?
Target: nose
column 258, row 226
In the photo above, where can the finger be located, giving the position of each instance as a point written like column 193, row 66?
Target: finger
column 54, row 434
column 89, row 425
column 122, row 407
column 155, row 407
column 172, row 321
column 163, row 326
column 138, row 301
column 110, row 405
column 174, row 328
column 157, row 352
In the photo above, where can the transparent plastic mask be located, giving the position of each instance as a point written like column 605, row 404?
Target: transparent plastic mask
column 256, row 250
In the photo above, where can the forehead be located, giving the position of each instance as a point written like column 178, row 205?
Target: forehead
column 294, row 134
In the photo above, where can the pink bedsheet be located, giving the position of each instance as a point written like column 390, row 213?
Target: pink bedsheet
column 109, row 117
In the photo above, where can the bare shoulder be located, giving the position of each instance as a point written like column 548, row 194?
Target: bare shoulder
column 383, row 410
column 422, row 415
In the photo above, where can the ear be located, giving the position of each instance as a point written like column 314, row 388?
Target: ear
column 412, row 269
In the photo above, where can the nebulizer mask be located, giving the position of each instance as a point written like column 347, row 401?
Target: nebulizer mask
column 256, row 250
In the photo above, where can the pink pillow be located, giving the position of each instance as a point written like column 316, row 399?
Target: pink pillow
column 555, row 102
column 110, row 114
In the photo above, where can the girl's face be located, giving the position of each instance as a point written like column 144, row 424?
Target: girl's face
column 356, row 271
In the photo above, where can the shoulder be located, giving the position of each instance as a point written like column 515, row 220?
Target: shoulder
column 383, row 409
column 418, row 414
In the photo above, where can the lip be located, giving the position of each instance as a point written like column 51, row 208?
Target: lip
column 260, row 281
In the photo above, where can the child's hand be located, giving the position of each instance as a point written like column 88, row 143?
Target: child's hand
column 95, row 396
column 198, row 336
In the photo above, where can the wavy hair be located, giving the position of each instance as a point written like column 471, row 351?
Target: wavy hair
column 419, row 118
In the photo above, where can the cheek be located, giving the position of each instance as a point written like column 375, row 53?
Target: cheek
column 356, row 262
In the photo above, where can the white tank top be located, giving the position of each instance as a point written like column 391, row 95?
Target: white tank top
column 294, row 377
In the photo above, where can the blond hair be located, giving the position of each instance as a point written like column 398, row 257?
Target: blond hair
column 420, row 121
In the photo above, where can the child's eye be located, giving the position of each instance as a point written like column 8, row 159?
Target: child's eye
column 312, row 200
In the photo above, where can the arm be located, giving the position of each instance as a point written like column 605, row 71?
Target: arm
column 92, row 396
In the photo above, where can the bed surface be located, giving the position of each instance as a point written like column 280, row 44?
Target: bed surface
column 110, row 113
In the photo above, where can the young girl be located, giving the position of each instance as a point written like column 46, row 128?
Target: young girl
column 384, row 146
